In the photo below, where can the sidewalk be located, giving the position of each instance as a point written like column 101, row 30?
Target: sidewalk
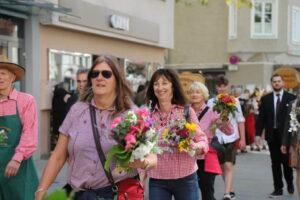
column 253, row 178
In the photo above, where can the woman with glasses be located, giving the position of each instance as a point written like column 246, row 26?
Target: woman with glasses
column 109, row 95
column 175, row 174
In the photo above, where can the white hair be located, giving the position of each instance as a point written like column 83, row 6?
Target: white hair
column 201, row 87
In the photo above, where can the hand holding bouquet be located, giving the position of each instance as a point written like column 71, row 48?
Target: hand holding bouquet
column 181, row 135
column 224, row 105
column 136, row 139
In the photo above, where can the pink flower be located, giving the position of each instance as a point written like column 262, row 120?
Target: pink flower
column 143, row 112
column 130, row 141
column 116, row 122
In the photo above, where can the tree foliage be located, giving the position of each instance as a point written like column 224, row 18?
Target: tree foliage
column 238, row 3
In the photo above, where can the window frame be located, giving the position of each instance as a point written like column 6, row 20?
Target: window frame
column 292, row 21
column 232, row 21
column 263, row 35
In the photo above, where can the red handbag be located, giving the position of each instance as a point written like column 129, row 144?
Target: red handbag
column 130, row 189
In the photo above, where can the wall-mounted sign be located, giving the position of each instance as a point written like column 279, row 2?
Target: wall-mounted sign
column 290, row 76
column 119, row 22
column 187, row 78
column 233, row 60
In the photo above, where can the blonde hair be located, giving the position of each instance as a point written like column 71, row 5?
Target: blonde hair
column 201, row 87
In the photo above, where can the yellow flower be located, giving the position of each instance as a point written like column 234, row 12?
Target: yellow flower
column 220, row 96
column 184, row 145
column 165, row 133
column 230, row 104
column 190, row 126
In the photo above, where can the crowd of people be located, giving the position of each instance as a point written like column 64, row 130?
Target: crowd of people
column 103, row 90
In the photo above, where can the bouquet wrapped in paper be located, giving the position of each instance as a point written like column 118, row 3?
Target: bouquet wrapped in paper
column 181, row 135
column 136, row 138
column 224, row 105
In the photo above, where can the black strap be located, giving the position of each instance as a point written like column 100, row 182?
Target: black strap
column 203, row 113
column 99, row 149
column 186, row 112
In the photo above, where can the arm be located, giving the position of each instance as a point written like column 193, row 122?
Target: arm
column 261, row 118
column 286, row 135
column 54, row 165
column 28, row 141
column 200, row 137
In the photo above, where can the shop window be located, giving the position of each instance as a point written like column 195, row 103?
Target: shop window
column 63, row 66
column 264, row 17
column 138, row 72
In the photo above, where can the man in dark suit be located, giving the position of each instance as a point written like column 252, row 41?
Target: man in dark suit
column 272, row 114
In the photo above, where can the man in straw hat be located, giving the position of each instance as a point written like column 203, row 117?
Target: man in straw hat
column 18, row 136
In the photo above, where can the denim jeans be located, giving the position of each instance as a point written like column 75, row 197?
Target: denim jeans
column 185, row 188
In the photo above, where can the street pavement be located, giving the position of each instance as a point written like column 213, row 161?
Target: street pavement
column 253, row 178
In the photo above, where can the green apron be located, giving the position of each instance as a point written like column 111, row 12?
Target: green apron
column 23, row 185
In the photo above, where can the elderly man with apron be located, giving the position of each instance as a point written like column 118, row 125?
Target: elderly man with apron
column 18, row 136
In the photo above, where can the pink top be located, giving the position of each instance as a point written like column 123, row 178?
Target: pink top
column 28, row 115
column 173, row 165
column 208, row 120
column 85, row 170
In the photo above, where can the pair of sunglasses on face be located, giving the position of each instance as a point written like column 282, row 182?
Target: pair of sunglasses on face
column 105, row 73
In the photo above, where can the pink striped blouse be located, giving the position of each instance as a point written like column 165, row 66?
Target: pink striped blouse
column 176, row 164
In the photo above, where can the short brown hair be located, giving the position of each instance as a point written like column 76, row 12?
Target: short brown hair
column 276, row 75
column 123, row 91
column 179, row 97
column 221, row 80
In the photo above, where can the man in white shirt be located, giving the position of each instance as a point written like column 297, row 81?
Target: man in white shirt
column 229, row 141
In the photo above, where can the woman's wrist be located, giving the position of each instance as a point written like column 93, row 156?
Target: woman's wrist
column 40, row 190
column 148, row 166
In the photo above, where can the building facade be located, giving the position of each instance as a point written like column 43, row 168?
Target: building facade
column 246, row 44
column 55, row 38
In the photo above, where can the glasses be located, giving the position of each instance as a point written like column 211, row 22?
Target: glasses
column 105, row 73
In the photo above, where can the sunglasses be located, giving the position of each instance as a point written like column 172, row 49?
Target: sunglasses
column 105, row 73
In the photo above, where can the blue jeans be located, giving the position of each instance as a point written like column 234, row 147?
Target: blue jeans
column 185, row 188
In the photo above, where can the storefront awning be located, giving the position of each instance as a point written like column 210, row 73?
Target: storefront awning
column 31, row 6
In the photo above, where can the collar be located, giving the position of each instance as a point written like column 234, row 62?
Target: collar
column 280, row 93
column 108, row 109
column 156, row 108
column 13, row 95
column 201, row 108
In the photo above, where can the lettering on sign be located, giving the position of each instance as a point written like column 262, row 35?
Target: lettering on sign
column 290, row 76
column 119, row 22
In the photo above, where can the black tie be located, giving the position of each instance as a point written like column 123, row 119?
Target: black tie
column 277, row 110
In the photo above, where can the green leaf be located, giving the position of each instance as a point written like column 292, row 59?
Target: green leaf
column 109, row 156
column 57, row 195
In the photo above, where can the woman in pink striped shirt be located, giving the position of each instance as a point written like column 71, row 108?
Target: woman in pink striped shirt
column 175, row 174
column 210, row 167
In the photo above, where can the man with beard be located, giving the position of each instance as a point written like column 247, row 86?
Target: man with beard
column 272, row 114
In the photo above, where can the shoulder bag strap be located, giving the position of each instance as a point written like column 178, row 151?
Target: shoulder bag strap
column 203, row 113
column 99, row 149
column 186, row 112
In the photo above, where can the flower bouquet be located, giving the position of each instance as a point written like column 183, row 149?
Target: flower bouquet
column 136, row 138
column 224, row 105
column 181, row 135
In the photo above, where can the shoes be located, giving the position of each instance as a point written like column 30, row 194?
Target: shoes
column 232, row 195
column 276, row 193
column 264, row 147
column 291, row 189
column 258, row 149
column 227, row 196
column 244, row 151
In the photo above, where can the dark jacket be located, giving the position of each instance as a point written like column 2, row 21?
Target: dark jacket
column 266, row 115
column 288, row 137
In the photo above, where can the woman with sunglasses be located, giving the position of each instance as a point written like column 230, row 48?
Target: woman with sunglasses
column 109, row 94
column 175, row 174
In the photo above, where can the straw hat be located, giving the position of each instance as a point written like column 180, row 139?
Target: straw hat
column 14, row 68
